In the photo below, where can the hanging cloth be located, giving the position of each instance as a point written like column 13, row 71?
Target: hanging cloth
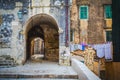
column 99, row 50
column 108, row 51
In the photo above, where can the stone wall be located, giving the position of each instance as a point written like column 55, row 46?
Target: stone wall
column 17, row 50
column 74, row 21
column 92, row 30
column 51, row 44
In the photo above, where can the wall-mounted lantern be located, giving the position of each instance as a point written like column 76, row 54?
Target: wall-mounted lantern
column 20, row 15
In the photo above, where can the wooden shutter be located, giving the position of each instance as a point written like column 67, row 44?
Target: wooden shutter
column 108, row 12
column 108, row 35
column 83, row 12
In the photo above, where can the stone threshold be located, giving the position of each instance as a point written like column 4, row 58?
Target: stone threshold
column 50, row 76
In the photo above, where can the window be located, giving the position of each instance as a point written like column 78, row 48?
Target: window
column 108, row 12
column 108, row 35
column 83, row 11
column 71, row 35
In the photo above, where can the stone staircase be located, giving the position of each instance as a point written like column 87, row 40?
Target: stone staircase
column 44, row 70
column 6, row 61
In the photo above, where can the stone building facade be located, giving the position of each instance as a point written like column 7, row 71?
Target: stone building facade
column 22, row 21
column 91, row 21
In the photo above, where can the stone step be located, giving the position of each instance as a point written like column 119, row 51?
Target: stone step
column 7, row 66
column 47, row 76
column 34, row 79
column 7, row 63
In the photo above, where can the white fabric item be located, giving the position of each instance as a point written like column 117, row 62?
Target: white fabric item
column 67, row 52
column 71, row 47
column 75, row 46
column 80, row 47
column 108, row 51
column 103, row 50
column 101, row 53
column 99, row 50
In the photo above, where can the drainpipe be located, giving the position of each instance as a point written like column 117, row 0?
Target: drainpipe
column 66, row 21
column 30, row 4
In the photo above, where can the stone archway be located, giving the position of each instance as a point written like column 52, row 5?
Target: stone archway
column 45, row 27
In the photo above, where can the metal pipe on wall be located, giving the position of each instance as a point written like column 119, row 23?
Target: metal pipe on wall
column 66, row 25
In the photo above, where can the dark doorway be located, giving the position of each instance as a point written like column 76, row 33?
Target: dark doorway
column 35, row 36
column 42, row 28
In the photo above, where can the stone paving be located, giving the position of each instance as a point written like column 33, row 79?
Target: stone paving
column 36, row 79
column 43, row 70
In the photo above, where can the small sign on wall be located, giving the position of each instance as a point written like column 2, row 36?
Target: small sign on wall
column 14, row 23
column 6, row 45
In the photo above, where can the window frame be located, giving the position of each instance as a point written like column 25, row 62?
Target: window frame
column 107, row 12
column 106, row 35
column 87, row 12
column 71, row 35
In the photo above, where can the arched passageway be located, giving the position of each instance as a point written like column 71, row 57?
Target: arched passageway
column 42, row 28
column 37, row 46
